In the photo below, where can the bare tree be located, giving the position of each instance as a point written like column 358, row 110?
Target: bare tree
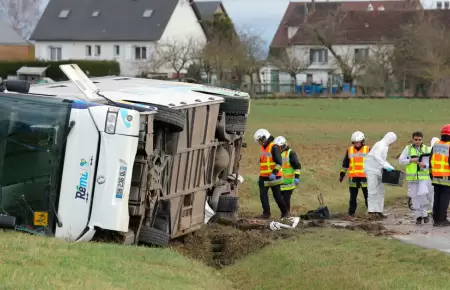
column 22, row 15
column 221, row 58
column 178, row 54
column 326, row 30
column 422, row 54
column 251, row 54
column 291, row 61
column 377, row 69
column 152, row 65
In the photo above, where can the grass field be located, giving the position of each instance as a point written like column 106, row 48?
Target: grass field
column 319, row 130
column 340, row 259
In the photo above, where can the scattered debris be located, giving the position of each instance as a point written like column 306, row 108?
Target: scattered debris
column 291, row 223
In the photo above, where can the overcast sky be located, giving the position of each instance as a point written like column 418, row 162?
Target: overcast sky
column 261, row 15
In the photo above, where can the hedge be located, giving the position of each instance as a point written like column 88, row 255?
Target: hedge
column 95, row 68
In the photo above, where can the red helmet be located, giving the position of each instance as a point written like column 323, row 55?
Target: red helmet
column 445, row 130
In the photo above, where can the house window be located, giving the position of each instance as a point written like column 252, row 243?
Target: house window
column 309, row 78
column 446, row 5
column 88, row 50
column 317, row 56
column 439, row 5
column 116, row 50
column 140, row 52
column 55, row 53
column 361, row 54
column 98, row 50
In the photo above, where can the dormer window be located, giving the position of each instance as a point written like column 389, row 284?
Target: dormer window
column 64, row 13
column 147, row 13
column 95, row 13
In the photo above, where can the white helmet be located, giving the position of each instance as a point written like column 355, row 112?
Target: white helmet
column 261, row 135
column 280, row 141
column 358, row 136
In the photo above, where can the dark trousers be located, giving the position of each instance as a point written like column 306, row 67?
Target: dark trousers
column 441, row 201
column 287, row 198
column 354, row 197
column 264, row 196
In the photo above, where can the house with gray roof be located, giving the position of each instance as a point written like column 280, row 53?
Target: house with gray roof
column 122, row 30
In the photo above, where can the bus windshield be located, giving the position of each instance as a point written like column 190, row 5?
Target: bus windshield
column 33, row 131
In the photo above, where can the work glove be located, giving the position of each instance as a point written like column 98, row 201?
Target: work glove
column 388, row 169
column 341, row 176
column 272, row 177
column 296, row 181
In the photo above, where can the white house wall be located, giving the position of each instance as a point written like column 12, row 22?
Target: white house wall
column 183, row 24
column 77, row 51
column 182, row 27
column 321, row 72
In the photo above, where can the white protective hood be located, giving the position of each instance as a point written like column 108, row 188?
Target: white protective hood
column 389, row 138
column 434, row 141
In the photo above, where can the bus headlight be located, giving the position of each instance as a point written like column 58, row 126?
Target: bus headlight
column 111, row 120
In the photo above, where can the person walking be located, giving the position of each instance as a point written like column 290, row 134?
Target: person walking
column 270, row 173
column 291, row 170
column 417, row 175
column 440, row 177
column 353, row 164
column 374, row 163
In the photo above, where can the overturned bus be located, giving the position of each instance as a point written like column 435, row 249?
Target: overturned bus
column 185, row 162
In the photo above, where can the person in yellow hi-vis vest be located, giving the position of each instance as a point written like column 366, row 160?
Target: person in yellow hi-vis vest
column 417, row 175
column 430, row 195
column 291, row 170
column 270, row 173
column 440, row 177
column 353, row 164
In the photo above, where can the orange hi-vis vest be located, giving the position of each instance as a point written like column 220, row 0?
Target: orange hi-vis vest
column 440, row 169
column 356, row 158
column 266, row 163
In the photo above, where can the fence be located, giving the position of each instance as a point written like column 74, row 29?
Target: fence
column 390, row 90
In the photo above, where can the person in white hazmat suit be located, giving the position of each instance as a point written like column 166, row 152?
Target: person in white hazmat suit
column 417, row 175
column 373, row 165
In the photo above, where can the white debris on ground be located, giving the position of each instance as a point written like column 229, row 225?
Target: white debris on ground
column 209, row 212
column 292, row 224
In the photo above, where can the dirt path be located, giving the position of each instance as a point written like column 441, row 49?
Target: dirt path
column 400, row 224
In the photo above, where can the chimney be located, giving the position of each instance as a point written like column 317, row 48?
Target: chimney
column 313, row 5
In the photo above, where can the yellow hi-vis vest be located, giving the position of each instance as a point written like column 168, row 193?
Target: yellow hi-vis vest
column 440, row 169
column 267, row 165
column 356, row 161
column 288, row 172
column 412, row 173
